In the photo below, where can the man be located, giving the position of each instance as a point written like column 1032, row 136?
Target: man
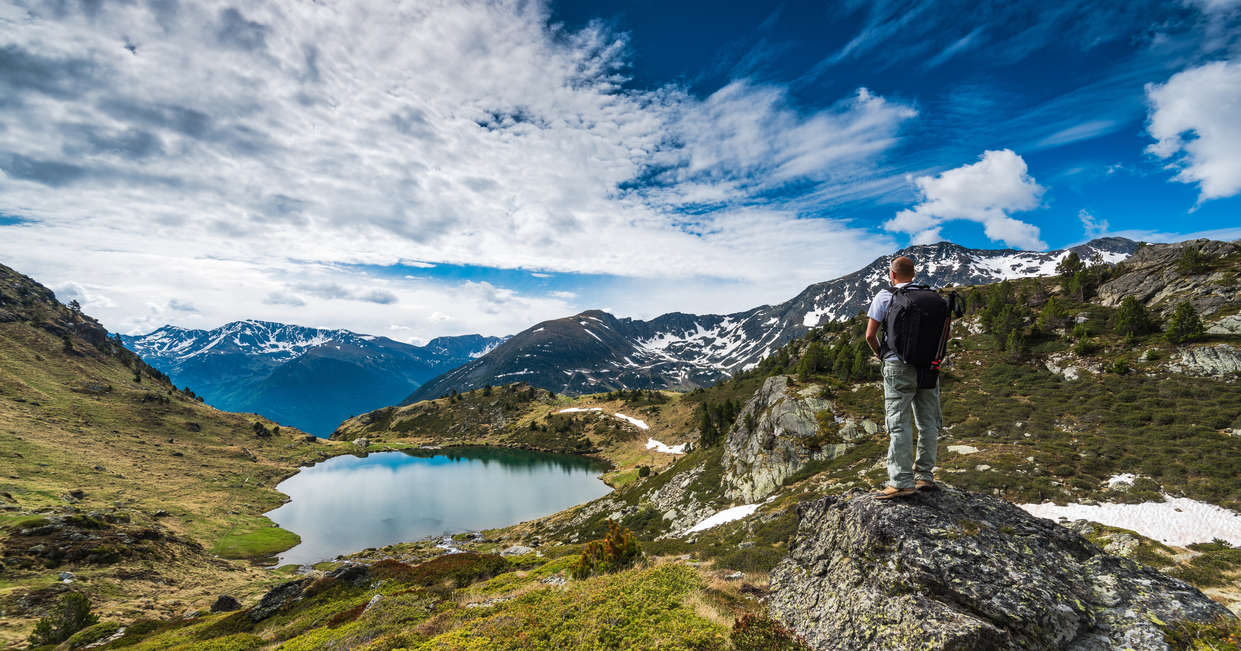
column 901, row 396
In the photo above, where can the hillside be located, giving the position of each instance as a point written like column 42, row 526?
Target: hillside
column 309, row 378
column 595, row 351
column 1051, row 397
column 107, row 472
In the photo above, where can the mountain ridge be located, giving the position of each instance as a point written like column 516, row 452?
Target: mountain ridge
column 596, row 351
column 310, row 378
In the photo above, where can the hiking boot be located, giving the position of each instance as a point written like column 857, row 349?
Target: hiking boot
column 890, row 492
column 923, row 485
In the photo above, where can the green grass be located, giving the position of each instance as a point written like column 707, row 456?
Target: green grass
column 256, row 543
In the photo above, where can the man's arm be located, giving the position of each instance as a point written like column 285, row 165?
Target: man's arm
column 872, row 336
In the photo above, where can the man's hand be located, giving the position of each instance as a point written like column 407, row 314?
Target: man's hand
column 872, row 336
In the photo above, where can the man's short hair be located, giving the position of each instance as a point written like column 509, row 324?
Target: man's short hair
column 903, row 267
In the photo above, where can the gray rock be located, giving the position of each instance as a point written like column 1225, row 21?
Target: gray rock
column 517, row 550
column 355, row 573
column 66, row 577
column 1151, row 276
column 372, row 603
column 1229, row 325
column 956, row 570
column 361, row 443
column 783, row 438
column 277, row 598
column 225, row 604
column 1219, row 361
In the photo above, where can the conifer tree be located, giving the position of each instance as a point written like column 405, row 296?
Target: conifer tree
column 1131, row 318
column 1070, row 265
column 1184, row 325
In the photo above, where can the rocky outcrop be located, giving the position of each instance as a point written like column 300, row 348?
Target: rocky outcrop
column 778, row 432
column 955, row 570
column 1152, row 276
column 277, row 598
column 678, row 503
column 1221, row 361
column 1228, row 325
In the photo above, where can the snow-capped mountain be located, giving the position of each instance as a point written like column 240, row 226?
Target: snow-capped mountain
column 309, row 378
column 595, row 351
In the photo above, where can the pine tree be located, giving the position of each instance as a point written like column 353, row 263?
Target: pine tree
column 860, row 369
column 1070, row 265
column 1185, row 325
column 1131, row 318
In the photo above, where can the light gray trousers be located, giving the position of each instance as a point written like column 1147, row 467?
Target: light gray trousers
column 904, row 404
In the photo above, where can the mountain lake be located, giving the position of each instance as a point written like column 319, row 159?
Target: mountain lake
column 349, row 503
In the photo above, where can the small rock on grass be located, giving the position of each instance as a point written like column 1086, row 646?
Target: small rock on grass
column 225, row 604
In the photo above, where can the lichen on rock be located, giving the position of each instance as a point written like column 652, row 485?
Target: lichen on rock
column 955, row 570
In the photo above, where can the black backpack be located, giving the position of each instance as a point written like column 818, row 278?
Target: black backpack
column 914, row 330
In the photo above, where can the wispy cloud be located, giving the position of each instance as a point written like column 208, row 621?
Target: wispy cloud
column 243, row 142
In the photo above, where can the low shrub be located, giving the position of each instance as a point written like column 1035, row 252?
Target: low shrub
column 1223, row 633
column 617, row 550
column 71, row 615
column 762, row 633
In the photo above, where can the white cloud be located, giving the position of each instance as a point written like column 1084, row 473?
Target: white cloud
column 1193, row 118
column 985, row 192
column 269, row 145
column 1093, row 226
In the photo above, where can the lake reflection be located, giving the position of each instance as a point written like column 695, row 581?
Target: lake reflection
column 348, row 503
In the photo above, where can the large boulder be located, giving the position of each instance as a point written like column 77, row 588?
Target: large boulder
column 956, row 570
column 778, row 432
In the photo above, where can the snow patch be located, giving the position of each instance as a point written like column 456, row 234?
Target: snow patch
column 631, row 419
column 1123, row 478
column 727, row 515
column 574, row 410
column 652, row 444
column 1177, row 521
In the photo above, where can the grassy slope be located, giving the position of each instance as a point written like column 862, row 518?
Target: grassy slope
column 133, row 450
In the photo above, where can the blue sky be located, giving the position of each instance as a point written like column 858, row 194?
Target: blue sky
column 416, row 169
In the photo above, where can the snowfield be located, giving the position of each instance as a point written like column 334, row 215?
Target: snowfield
column 1178, row 521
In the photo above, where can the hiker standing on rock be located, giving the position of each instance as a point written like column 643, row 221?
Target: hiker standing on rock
column 914, row 320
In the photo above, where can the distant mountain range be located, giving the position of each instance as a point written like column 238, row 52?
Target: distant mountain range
column 595, row 351
column 308, row 378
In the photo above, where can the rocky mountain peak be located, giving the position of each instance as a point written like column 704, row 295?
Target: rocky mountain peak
column 596, row 351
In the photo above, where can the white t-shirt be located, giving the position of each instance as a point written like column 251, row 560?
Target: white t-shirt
column 879, row 310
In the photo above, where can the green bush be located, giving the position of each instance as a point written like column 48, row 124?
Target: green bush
column 1131, row 318
column 617, row 550
column 71, row 615
column 1184, row 325
column 1085, row 348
